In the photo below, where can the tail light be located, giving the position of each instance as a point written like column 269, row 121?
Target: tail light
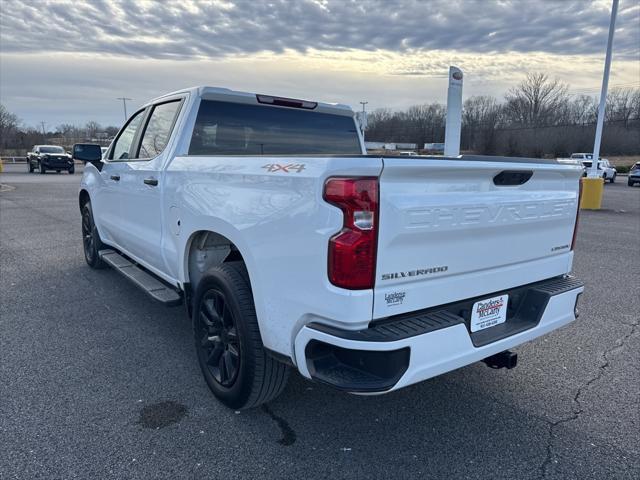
column 352, row 251
column 575, row 226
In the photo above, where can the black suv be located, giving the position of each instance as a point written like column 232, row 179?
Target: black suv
column 49, row 157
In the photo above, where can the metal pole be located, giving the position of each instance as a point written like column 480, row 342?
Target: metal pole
column 593, row 172
column 363, row 119
column 453, row 126
column 124, row 105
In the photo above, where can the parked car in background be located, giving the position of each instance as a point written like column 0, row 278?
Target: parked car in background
column 49, row 157
column 634, row 175
column 606, row 170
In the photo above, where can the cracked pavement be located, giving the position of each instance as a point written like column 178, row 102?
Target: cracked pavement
column 98, row 381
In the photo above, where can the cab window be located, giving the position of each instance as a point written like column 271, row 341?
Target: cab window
column 156, row 134
column 122, row 145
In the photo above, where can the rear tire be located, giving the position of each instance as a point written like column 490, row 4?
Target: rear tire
column 91, row 239
column 230, row 352
column 30, row 166
column 612, row 179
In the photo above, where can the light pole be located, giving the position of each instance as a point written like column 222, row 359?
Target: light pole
column 363, row 120
column 593, row 184
column 124, row 104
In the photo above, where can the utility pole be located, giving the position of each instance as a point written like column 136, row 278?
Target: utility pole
column 593, row 184
column 124, row 105
column 43, row 132
column 363, row 119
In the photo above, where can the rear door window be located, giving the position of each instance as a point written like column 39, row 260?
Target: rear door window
column 225, row 128
column 158, row 130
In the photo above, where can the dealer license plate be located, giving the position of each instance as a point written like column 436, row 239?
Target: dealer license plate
column 489, row 312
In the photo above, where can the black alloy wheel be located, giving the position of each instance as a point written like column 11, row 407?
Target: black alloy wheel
column 91, row 239
column 234, row 363
column 219, row 347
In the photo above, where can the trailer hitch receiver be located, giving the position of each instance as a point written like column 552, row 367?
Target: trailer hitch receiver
column 504, row 359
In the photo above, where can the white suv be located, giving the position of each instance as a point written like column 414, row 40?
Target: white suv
column 606, row 170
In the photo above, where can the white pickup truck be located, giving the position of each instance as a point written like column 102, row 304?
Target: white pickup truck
column 291, row 247
column 605, row 169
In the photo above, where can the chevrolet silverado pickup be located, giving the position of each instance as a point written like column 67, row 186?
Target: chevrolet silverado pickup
column 290, row 247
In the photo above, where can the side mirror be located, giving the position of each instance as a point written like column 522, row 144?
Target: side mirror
column 88, row 153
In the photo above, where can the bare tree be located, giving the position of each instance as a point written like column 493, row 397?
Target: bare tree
column 481, row 116
column 620, row 105
column 583, row 110
column 92, row 128
column 8, row 126
column 537, row 101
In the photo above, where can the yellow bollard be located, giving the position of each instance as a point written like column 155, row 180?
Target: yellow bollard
column 592, row 189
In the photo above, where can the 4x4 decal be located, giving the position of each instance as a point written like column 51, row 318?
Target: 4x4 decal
column 276, row 167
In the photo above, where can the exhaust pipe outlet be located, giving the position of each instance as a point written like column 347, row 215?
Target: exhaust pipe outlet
column 504, row 359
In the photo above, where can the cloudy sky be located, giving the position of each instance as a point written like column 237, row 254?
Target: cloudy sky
column 66, row 61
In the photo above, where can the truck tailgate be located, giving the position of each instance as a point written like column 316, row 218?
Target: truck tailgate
column 452, row 229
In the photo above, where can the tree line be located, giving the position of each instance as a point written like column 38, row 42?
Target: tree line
column 538, row 117
column 17, row 138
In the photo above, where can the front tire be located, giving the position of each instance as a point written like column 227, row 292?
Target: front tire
column 230, row 352
column 629, row 183
column 42, row 169
column 613, row 178
column 30, row 166
column 91, row 239
column 72, row 170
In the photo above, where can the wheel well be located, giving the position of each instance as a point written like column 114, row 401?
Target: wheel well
column 208, row 249
column 83, row 198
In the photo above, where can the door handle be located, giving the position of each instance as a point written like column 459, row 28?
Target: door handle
column 151, row 181
column 115, row 178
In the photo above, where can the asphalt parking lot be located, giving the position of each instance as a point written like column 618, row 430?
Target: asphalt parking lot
column 98, row 381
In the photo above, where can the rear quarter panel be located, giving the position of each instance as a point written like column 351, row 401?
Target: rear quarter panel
column 272, row 209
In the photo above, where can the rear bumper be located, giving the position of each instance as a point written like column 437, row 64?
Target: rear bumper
column 414, row 347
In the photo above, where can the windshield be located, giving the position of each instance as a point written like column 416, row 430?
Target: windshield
column 51, row 150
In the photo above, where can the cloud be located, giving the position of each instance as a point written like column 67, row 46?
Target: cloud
column 221, row 29
column 67, row 61
column 72, row 88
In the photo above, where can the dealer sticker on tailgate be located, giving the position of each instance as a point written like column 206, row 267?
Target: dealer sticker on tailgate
column 489, row 312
